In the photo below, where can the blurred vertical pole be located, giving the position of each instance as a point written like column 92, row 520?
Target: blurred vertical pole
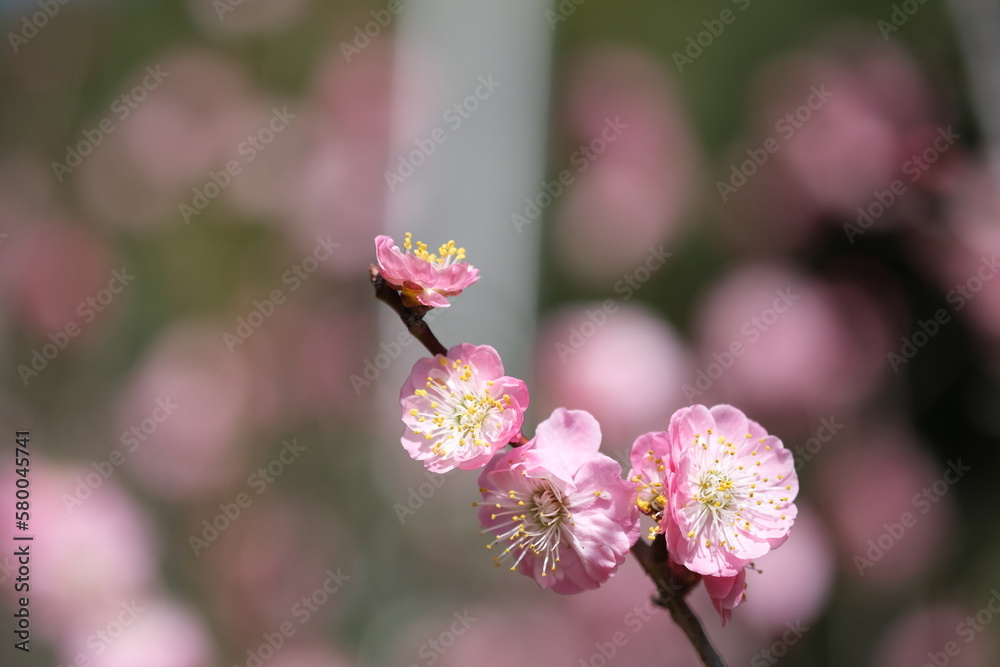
column 493, row 155
column 977, row 26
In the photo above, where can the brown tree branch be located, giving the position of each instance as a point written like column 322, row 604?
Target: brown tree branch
column 413, row 320
column 672, row 585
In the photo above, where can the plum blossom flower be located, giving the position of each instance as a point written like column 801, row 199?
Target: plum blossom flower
column 726, row 593
column 731, row 490
column 558, row 507
column 460, row 409
column 424, row 278
column 652, row 476
column 650, row 470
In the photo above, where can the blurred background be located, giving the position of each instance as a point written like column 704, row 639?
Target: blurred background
column 786, row 206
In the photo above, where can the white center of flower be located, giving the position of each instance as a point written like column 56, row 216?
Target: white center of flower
column 730, row 498
column 536, row 521
column 455, row 409
column 471, row 412
column 714, row 491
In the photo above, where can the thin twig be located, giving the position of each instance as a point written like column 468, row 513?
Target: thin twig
column 413, row 320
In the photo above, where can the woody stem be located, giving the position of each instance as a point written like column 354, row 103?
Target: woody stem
column 671, row 586
column 413, row 321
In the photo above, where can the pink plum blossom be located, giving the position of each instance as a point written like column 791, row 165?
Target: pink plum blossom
column 731, row 490
column 650, row 470
column 103, row 548
column 543, row 633
column 639, row 190
column 160, row 633
column 192, row 125
column 922, row 631
column 559, row 507
column 200, row 398
column 726, row 593
column 825, row 351
column 50, row 269
column 585, row 357
column 425, row 278
column 460, row 409
column 337, row 184
column 805, row 569
column 261, row 565
column 866, row 482
column 653, row 474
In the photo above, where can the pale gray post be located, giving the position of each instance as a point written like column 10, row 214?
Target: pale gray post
column 468, row 189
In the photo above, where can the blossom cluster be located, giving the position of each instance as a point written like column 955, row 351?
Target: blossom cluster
column 719, row 487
